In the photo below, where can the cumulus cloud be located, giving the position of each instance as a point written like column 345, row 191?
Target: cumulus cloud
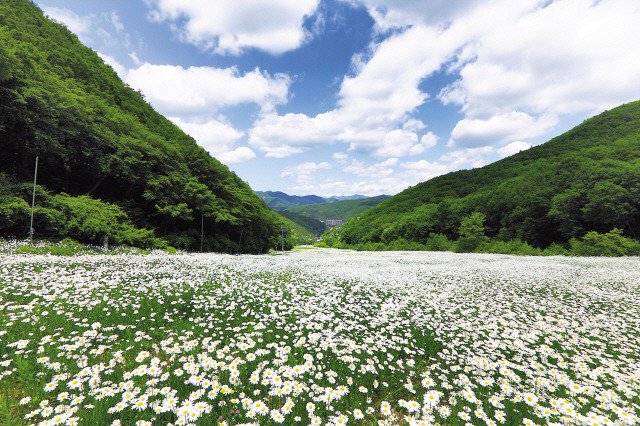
column 500, row 128
column 214, row 135
column 192, row 97
column 179, row 91
column 374, row 171
column 231, row 26
column 374, row 106
column 79, row 25
column 530, row 62
column 513, row 148
column 304, row 173
column 238, row 155
column 120, row 69
column 521, row 67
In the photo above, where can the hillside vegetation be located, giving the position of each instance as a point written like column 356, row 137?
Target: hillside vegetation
column 587, row 179
column 98, row 139
column 341, row 210
column 313, row 226
column 279, row 200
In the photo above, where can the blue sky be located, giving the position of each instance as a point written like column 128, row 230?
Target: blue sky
column 339, row 97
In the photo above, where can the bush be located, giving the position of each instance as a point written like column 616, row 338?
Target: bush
column 508, row 247
column 472, row 233
column 439, row 242
column 610, row 244
column 555, row 250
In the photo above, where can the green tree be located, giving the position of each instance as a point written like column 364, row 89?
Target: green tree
column 472, row 232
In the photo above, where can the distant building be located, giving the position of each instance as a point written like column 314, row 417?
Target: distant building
column 333, row 222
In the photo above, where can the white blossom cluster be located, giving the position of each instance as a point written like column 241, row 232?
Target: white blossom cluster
column 320, row 337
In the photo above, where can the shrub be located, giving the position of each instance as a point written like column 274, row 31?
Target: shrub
column 612, row 243
column 439, row 242
column 508, row 247
column 555, row 250
column 472, row 232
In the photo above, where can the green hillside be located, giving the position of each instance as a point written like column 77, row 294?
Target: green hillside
column 279, row 200
column 98, row 139
column 313, row 226
column 587, row 179
column 297, row 234
column 341, row 210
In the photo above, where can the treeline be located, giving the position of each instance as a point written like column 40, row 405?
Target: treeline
column 97, row 139
column 473, row 239
column 586, row 180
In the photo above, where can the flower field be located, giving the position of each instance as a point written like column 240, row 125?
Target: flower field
column 319, row 337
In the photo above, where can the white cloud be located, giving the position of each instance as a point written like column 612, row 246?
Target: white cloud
column 79, row 25
column 522, row 65
column 214, row 135
column 374, row 107
column 401, row 13
column 374, row 171
column 179, row 91
column 467, row 157
column 500, row 128
column 303, row 173
column 422, row 170
column 238, row 155
column 114, row 19
column 218, row 137
column 544, row 59
column 513, row 148
column 386, row 185
column 340, row 156
column 428, row 140
column 113, row 63
column 231, row 26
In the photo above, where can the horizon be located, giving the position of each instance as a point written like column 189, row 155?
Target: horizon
column 342, row 97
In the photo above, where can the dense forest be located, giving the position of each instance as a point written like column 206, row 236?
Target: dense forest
column 279, row 200
column 313, row 226
column 105, row 153
column 341, row 210
column 586, row 180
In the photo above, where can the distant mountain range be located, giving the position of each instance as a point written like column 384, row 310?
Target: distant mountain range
column 340, row 210
column 280, row 201
column 310, row 211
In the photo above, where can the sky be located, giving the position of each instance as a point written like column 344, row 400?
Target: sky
column 340, row 97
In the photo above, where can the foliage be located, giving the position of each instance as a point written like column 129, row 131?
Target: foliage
column 58, row 216
column 610, row 244
column 339, row 210
column 279, row 200
column 313, row 227
column 473, row 240
column 587, row 179
column 472, row 232
column 98, row 138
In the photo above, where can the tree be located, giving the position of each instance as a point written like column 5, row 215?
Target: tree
column 472, row 232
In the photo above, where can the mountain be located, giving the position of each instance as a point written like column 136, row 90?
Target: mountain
column 587, row 179
column 313, row 226
column 345, row 197
column 109, row 165
column 279, row 200
column 341, row 210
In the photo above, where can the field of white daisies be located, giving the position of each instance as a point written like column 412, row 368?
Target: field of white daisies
column 319, row 337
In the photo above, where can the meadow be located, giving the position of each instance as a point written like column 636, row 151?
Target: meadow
column 319, row 336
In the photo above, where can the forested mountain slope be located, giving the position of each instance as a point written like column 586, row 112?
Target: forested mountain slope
column 98, row 138
column 341, row 210
column 278, row 200
column 586, row 179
